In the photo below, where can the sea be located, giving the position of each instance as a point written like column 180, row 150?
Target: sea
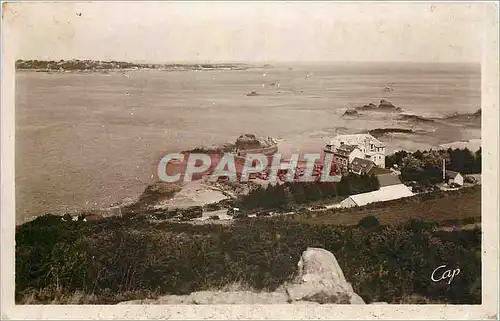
column 88, row 140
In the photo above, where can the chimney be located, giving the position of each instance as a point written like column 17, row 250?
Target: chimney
column 444, row 170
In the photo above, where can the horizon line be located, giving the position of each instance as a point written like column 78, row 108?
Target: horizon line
column 256, row 62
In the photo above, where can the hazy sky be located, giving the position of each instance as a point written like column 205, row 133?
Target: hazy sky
column 259, row 31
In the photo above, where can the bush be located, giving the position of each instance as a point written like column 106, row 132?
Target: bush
column 369, row 222
column 282, row 196
column 419, row 225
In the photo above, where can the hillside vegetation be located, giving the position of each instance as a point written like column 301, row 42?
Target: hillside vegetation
column 118, row 259
column 453, row 207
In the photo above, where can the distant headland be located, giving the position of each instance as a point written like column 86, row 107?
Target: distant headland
column 97, row 65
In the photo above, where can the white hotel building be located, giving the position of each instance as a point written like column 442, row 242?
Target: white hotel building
column 347, row 147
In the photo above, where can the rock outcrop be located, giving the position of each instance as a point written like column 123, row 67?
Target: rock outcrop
column 245, row 140
column 377, row 132
column 384, row 105
column 415, row 118
column 370, row 106
column 153, row 194
column 351, row 112
column 319, row 280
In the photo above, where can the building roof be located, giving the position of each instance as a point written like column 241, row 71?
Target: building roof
column 452, row 174
column 385, row 176
column 380, row 171
column 362, row 165
column 356, row 139
column 345, row 149
column 386, row 193
column 388, row 180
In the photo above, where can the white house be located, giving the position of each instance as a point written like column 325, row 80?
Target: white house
column 454, row 178
column 344, row 155
column 370, row 147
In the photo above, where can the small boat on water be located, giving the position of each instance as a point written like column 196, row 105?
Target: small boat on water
column 388, row 89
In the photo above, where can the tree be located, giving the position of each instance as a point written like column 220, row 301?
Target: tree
column 477, row 161
column 313, row 193
column 395, row 159
column 327, row 189
column 298, row 192
column 462, row 160
column 433, row 165
column 418, row 154
column 279, row 195
column 374, row 183
column 268, row 199
column 343, row 188
column 254, row 198
column 412, row 169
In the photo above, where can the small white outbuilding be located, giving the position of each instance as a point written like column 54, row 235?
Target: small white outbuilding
column 453, row 177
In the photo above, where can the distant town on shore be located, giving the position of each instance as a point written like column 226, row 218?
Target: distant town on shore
column 96, row 65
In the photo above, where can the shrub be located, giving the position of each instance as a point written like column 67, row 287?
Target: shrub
column 369, row 222
column 419, row 225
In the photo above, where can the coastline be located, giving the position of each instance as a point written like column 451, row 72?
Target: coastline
column 197, row 193
column 114, row 70
column 169, row 114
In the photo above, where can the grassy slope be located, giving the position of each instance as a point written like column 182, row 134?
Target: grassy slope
column 437, row 207
column 117, row 259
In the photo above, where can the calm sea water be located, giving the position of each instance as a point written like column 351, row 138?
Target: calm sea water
column 86, row 140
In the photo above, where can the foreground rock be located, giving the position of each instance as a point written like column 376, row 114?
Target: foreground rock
column 319, row 280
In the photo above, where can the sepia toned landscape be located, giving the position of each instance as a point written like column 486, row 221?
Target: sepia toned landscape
column 398, row 223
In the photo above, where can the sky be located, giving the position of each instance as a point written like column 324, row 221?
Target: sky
column 248, row 32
